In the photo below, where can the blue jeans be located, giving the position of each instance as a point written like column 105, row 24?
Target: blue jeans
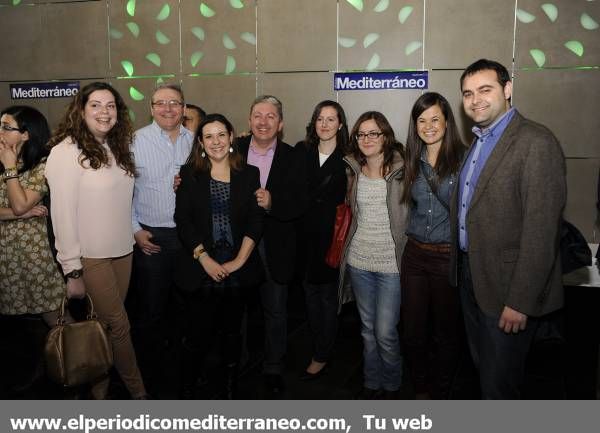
column 378, row 301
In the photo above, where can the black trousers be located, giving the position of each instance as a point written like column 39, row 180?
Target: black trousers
column 321, row 309
column 273, row 297
column 431, row 320
column 499, row 357
column 153, row 287
column 211, row 316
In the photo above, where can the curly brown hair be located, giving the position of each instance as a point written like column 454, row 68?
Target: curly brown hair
column 119, row 138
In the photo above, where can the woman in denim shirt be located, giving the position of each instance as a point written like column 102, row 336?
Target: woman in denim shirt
column 430, row 306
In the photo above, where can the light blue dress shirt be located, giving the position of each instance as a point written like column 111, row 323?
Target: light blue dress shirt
column 157, row 161
column 487, row 138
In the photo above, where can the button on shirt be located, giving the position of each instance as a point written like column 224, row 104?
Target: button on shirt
column 157, row 161
column 487, row 138
column 429, row 220
column 261, row 159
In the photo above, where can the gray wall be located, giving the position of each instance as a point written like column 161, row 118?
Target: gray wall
column 227, row 51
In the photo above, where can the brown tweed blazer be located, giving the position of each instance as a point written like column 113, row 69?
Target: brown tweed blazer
column 513, row 223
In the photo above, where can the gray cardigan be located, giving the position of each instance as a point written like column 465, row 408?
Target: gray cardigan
column 398, row 214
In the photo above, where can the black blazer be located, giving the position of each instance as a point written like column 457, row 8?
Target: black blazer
column 287, row 185
column 193, row 217
column 326, row 190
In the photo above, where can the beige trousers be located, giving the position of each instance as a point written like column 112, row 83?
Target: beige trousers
column 107, row 281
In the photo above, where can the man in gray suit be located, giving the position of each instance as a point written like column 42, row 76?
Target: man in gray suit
column 507, row 211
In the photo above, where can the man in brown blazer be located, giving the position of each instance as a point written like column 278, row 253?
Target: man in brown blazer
column 507, row 211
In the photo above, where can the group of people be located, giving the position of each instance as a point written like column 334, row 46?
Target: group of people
column 442, row 236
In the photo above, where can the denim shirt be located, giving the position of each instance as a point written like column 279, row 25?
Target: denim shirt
column 429, row 221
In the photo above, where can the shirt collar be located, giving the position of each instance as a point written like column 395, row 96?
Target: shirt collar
column 424, row 154
column 182, row 130
column 498, row 125
column 259, row 150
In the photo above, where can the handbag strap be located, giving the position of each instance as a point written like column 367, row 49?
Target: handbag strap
column 91, row 313
column 433, row 188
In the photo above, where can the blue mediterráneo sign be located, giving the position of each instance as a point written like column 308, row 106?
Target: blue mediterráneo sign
column 400, row 80
column 57, row 89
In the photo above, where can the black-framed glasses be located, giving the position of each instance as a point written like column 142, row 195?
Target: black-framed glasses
column 372, row 135
column 9, row 128
column 173, row 103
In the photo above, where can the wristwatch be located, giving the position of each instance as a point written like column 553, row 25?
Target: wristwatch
column 75, row 274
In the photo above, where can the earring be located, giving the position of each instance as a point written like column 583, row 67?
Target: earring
column 203, row 155
column 230, row 149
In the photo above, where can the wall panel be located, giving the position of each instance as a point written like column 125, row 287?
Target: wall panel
column 458, row 32
column 228, row 95
column 144, row 40
column 551, row 34
column 24, row 45
column 381, row 35
column 221, row 39
column 296, row 36
column 566, row 101
column 75, row 41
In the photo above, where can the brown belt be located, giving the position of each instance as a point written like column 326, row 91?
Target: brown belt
column 436, row 248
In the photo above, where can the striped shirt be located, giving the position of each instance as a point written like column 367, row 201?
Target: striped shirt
column 157, row 161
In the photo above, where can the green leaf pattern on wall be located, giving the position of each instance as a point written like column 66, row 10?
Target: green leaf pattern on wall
column 552, row 13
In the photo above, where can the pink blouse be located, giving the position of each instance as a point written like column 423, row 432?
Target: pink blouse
column 90, row 209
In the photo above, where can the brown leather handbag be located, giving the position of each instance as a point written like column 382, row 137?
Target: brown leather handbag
column 79, row 352
column 343, row 218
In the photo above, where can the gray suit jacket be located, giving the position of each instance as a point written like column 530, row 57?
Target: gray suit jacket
column 513, row 223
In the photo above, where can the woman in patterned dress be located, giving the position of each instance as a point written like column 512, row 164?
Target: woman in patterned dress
column 31, row 282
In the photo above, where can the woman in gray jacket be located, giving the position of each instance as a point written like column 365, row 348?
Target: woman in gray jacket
column 374, row 248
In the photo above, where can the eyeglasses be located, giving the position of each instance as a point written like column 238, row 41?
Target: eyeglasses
column 9, row 128
column 164, row 104
column 370, row 135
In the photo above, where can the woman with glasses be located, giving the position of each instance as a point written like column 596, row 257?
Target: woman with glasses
column 430, row 306
column 30, row 281
column 374, row 248
column 219, row 223
column 326, row 142
column 90, row 171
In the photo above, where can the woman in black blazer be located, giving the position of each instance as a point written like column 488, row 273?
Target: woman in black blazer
column 219, row 224
column 326, row 142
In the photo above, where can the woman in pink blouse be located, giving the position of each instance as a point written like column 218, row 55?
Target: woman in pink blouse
column 90, row 172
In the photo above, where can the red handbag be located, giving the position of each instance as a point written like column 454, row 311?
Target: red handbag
column 343, row 218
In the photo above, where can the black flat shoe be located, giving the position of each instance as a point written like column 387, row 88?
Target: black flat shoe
column 305, row 376
column 369, row 394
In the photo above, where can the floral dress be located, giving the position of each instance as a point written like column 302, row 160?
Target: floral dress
column 30, row 281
